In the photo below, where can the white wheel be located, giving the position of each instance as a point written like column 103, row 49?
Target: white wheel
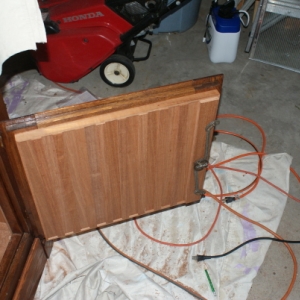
column 117, row 71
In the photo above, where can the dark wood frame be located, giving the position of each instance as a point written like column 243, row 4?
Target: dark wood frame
column 19, row 277
column 27, row 252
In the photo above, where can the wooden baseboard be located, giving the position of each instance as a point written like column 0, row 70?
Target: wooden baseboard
column 15, row 262
column 32, row 272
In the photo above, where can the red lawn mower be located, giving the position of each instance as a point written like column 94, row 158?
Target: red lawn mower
column 83, row 34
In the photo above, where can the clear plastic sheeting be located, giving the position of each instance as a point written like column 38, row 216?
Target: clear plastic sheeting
column 27, row 96
column 85, row 267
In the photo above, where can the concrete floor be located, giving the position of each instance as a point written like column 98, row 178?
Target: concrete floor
column 267, row 94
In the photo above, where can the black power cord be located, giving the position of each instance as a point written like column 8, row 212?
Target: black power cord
column 200, row 257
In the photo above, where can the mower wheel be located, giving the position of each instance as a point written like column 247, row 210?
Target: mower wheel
column 117, row 71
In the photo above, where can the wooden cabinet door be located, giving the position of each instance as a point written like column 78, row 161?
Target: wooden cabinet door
column 95, row 164
column 22, row 257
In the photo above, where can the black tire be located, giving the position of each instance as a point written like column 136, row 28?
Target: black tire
column 117, row 71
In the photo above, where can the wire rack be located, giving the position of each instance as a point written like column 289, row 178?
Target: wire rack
column 278, row 42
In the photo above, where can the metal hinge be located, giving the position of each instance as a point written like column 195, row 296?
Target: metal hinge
column 202, row 163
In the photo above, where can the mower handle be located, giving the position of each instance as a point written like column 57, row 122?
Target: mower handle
column 152, row 18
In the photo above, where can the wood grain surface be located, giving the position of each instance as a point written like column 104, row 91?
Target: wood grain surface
column 5, row 235
column 8, row 258
column 32, row 272
column 16, row 187
column 96, row 171
column 18, row 251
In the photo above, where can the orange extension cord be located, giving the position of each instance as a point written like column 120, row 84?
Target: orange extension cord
column 247, row 190
column 242, row 193
column 66, row 88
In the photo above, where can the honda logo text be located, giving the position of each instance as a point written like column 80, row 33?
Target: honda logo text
column 83, row 17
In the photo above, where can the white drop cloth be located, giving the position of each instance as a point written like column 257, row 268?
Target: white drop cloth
column 85, row 267
column 21, row 27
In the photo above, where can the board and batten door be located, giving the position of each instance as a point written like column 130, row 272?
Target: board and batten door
column 119, row 159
